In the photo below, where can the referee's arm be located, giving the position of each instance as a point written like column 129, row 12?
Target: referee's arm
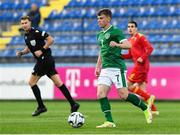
column 49, row 42
column 23, row 52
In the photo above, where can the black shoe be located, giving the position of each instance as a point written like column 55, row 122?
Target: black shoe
column 75, row 107
column 39, row 111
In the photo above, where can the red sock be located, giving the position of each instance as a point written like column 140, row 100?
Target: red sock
column 153, row 108
column 141, row 93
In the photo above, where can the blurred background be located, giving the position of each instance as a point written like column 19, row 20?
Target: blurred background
column 73, row 25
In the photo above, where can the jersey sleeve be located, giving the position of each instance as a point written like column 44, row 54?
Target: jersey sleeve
column 147, row 47
column 41, row 34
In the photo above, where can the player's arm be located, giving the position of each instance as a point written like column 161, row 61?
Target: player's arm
column 23, row 52
column 98, row 66
column 148, row 49
column 124, row 44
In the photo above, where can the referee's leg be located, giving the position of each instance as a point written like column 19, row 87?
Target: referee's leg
column 58, row 82
column 36, row 91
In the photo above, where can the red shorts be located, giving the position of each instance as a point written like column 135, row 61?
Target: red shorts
column 138, row 77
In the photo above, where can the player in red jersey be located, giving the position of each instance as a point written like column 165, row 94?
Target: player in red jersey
column 139, row 53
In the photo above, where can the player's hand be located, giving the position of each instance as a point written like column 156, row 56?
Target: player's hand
column 97, row 72
column 140, row 60
column 38, row 53
column 112, row 44
column 18, row 53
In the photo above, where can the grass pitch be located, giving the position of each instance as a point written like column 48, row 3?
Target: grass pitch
column 15, row 118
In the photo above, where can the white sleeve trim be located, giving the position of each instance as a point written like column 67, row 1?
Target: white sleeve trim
column 122, row 40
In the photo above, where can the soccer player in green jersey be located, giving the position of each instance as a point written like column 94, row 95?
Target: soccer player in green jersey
column 111, row 41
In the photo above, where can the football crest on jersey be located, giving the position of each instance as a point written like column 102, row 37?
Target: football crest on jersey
column 33, row 42
column 107, row 35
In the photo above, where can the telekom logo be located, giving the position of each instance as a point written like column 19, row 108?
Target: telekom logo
column 73, row 80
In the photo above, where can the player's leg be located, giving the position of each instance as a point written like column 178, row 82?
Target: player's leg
column 143, row 93
column 121, row 85
column 140, row 89
column 154, row 110
column 143, row 85
column 102, row 92
column 58, row 82
column 104, row 85
column 149, row 100
column 137, row 84
column 120, row 81
column 33, row 84
column 135, row 100
column 134, row 87
column 135, row 81
column 132, row 98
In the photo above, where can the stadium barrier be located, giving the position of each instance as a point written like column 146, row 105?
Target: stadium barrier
column 163, row 82
column 14, row 84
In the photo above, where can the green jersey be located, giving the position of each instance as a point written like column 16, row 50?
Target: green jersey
column 110, row 56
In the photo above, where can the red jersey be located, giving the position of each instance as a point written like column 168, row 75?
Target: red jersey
column 140, row 48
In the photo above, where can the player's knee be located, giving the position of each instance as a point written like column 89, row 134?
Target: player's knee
column 58, row 83
column 131, row 87
column 31, row 84
column 123, row 93
column 101, row 94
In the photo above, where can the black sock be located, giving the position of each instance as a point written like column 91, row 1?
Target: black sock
column 66, row 93
column 37, row 95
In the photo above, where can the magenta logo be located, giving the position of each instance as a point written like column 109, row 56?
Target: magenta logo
column 73, row 80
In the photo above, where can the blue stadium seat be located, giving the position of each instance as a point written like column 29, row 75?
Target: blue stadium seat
column 90, row 25
column 77, row 24
column 17, row 41
column 90, row 39
column 91, row 53
column 9, row 53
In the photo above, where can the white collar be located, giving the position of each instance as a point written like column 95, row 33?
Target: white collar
column 107, row 29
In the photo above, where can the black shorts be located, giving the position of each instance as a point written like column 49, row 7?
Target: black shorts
column 45, row 67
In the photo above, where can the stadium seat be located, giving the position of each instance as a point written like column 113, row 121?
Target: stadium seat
column 77, row 24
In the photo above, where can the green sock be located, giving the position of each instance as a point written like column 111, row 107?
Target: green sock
column 136, row 101
column 106, row 108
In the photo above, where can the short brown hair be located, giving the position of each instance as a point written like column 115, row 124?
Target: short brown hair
column 26, row 18
column 105, row 11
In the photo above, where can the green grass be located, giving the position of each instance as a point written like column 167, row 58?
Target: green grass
column 15, row 117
